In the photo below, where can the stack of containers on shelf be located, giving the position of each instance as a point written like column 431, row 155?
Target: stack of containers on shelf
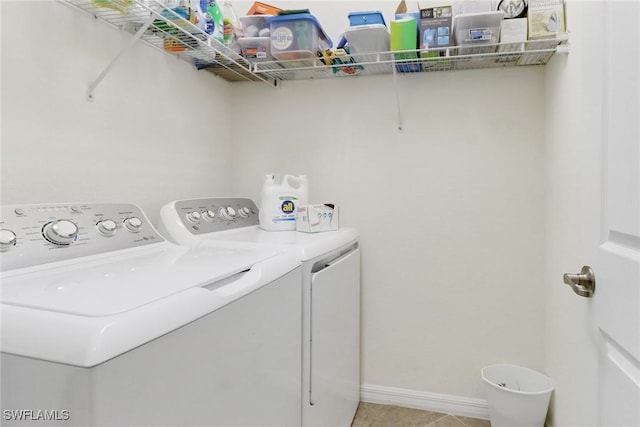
column 367, row 34
column 256, row 43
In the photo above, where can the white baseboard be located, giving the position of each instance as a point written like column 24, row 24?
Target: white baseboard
column 454, row 405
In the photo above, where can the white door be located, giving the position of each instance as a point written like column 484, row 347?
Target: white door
column 617, row 271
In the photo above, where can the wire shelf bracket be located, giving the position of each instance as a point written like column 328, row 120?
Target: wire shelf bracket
column 125, row 49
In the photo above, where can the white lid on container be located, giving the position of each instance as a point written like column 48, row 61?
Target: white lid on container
column 371, row 38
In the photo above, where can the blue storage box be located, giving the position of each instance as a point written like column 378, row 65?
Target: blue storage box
column 366, row 18
column 357, row 19
column 298, row 33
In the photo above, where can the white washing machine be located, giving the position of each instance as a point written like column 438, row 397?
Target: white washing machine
column 105, row 323
column 330, row 292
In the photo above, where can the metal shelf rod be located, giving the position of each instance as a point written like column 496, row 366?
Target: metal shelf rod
column 395, row 84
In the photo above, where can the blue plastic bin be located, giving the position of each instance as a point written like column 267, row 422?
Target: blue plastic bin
column 299, row 32
column 366, row 18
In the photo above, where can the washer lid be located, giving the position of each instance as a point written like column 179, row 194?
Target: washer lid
column 109, row 285
column 86, row 313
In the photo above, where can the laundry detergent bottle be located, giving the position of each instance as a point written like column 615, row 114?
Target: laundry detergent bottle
column 279, row 200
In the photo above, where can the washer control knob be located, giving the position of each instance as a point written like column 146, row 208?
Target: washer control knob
column 60, row 232
column 227, row 213
column 133, row 224
column 193, row 217
column 208, row 215
column 244, row 212
column 7, row 239
column 107, row 227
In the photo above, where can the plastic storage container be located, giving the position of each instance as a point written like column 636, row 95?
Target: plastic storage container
column 255, row 49
column 518, row 397
column 357, row 19
column 475, row 31
column 297, row 36
column 368, row 38
column 255, row 26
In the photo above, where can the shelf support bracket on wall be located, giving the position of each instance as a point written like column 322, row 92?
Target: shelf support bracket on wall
column 395, row 85
column 108, row 68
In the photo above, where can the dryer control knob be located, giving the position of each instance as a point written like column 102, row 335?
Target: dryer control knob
column 244, row 212
column 7, row 239
column 193, row 217
column 107, row 227
column 60, row 232
column 227, row 213
column 133, row 224
column 208, row 215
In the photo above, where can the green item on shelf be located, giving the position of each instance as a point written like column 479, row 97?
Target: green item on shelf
column 216, row 15
column 302, row 29
column 119, row 5
column 293, row 12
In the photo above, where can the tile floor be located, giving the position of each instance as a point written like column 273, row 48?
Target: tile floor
column 374, row 415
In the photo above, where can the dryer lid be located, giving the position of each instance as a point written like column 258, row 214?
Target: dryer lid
column 306, row 246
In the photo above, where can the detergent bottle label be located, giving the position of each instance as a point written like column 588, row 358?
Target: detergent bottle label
column 287, row 209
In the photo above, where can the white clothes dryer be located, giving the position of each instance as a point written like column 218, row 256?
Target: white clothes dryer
column 105, row 323
column 330, row 295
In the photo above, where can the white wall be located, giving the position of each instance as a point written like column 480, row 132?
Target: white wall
column 573, row 105
column 451, row 210
column 158, row 129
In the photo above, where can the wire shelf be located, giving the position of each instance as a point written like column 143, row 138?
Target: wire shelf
column 172, row 34
column 165, row 30
column 532, row 52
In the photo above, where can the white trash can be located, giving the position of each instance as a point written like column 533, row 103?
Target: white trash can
column 518, row 397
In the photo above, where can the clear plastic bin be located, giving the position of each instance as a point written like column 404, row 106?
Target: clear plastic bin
column 476, row 31
column 253, row 25
column 297, row 33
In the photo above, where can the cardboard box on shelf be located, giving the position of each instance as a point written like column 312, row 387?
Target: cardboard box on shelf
column 546, row 18
column 513, row 32
column 263, row 9
column 435, row 27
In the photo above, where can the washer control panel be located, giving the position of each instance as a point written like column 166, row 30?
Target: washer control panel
column 201, row 216
column 40, row 234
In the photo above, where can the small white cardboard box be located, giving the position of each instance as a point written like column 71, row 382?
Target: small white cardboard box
column 317, row 218
column 512, row 33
